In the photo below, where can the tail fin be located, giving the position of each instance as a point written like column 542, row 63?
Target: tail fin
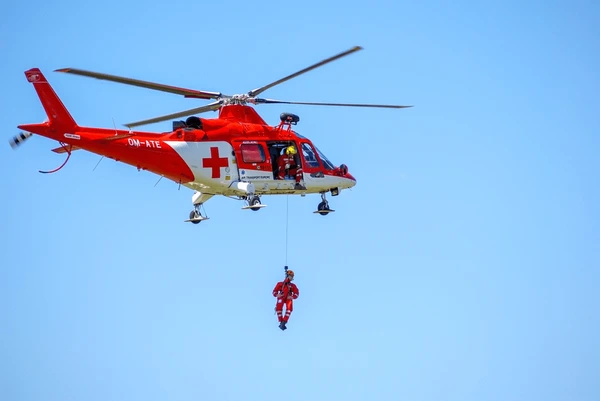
column 56, row 111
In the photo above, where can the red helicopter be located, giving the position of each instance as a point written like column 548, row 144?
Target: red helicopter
column 234, row 155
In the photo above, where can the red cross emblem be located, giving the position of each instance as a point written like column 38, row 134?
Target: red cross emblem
column 215, row 162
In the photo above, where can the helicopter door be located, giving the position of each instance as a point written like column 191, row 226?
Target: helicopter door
column 253, row 161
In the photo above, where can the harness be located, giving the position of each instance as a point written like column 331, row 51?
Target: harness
column 285, row 285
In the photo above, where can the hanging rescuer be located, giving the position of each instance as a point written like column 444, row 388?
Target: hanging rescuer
column 285, row 291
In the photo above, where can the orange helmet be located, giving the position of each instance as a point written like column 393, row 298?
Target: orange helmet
column 290, row 151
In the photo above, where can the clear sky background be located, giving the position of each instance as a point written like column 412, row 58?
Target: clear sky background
column 464, row 265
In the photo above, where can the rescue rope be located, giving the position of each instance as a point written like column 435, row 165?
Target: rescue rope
column 285, row 268
column 286, row 229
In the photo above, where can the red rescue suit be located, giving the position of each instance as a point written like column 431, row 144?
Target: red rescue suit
column 286, row 292
column 287, row 163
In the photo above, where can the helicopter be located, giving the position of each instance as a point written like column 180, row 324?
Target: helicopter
column 234, row 155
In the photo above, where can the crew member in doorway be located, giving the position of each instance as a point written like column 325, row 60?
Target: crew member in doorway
column 288, row 164
column 285, row 291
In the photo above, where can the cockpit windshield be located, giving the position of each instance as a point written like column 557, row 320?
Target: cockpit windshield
column 328, row 165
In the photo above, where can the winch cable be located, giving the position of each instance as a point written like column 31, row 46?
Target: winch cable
column 286, row 230
column 285, row 267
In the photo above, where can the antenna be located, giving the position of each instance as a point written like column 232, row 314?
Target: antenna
column 116, row 134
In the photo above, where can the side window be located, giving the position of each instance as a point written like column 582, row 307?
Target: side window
column 309, row 155
column 252, row 153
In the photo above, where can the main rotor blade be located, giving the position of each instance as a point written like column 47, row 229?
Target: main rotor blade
column 197, row 110
column 143, row 84
column 385, row 106
column 260, row 90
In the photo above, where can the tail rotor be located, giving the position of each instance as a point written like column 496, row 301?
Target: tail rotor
column 18, row 139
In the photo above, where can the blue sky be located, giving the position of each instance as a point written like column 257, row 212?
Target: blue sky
column 463, row 266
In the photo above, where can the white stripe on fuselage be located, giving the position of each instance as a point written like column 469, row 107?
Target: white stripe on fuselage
column 205, row 163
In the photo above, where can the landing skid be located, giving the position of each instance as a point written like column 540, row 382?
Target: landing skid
column 323, row 207
column 196, row 220
column 195, row 215
column 253, row 203
column 254, row 207
column 324, row 211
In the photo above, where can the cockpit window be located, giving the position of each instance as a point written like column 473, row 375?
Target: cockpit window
column 328, row 165
column 252, row 153
column 309, row 155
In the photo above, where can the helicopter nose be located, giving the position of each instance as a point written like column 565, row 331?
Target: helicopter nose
column 352, row 179
column 343, row 171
